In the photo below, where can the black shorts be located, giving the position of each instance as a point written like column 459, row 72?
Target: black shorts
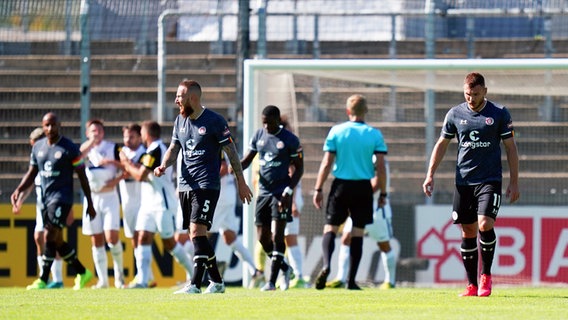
column 350, row 198
column 55, row 214
column 267, row 211
column 198, row 206
column 470, row 201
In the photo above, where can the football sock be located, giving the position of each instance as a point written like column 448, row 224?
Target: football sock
column 39, row 263
column 277, row 261
column 182, row 258
column 47, row 260
column 57, row 270
column 101, row 264
column 328, row 245
column 143, row 262
column 243, row 254
column 470, row 258
column 488, row 241
column 356, row 253
column 203, row 259
column 69, row 255
column 343, row 263
column 259, row 257
column 116, row 251
column 295, row 259
column 389, row 264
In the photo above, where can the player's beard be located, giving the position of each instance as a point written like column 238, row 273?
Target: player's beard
column 186, row 110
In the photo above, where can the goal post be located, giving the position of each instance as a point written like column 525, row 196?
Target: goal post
column 408, row 99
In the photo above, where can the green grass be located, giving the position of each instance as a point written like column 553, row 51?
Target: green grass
column 238, row 303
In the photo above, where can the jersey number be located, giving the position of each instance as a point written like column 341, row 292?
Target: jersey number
column 206, row 206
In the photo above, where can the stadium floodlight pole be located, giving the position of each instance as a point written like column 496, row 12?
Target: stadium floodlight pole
column 85, row 68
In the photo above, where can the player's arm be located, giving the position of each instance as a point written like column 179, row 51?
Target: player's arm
column 247, row 159
column 137, row 171
column 245, row 194
column 23, row 189
column 298, row 171
column 380, row 178
column 323, row 173
column 297, row 163
column 437, row 155
column 80, row 170
column 513, row 160
column 170, row 157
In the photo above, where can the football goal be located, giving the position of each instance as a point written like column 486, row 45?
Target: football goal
column 408, row 100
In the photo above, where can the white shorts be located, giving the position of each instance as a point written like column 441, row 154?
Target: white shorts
column 162, row 222
column 39, row 217
column 107, row 206
column 381, row 228
column 224, row 217
column 292, row 227
column 130, row 197
column 179, row 220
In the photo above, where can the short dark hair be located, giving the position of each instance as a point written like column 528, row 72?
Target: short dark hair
column 474, row 79
column 153, row 128
column 271, row 111
column 135, row 127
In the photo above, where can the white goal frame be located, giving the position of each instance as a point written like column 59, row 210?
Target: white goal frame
column 252, row 109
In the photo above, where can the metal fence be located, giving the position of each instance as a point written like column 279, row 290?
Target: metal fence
column 293, row 21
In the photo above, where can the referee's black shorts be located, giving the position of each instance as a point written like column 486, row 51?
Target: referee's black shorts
column 350, row 198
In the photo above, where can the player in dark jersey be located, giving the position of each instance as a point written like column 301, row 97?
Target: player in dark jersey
column 479, row 125
column 55, row 158
column 278, row 148
column 201, row 135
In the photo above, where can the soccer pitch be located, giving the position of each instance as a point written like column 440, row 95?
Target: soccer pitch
column 239, row 303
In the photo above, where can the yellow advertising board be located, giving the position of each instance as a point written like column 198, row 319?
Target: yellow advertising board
column 18, row 262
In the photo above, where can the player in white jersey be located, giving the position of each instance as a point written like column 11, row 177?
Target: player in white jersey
column 291, row 232
column 103, row 174
column 225, row 220
column 181, row 234
column 128, row 187
column 380, row 231
column 157, row 207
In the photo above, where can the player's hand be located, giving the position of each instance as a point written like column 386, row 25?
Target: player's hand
column 295, row 212
column 91, row 212
column 513, row 193
column 285, row 202
column 159, row 171
column 17, row 200
column 318, row 199
column 428, row 186
column 245, row 194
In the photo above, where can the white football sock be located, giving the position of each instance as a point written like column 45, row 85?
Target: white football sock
column 116, row 251
column 295, row 258
column 143, row 255
column 343, row 263
column 243, row 254
column 182, row 258
column 389, row 264
column 101, row 264
column 57, row 270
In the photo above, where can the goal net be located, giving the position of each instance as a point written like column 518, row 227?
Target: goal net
column 407, row 102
